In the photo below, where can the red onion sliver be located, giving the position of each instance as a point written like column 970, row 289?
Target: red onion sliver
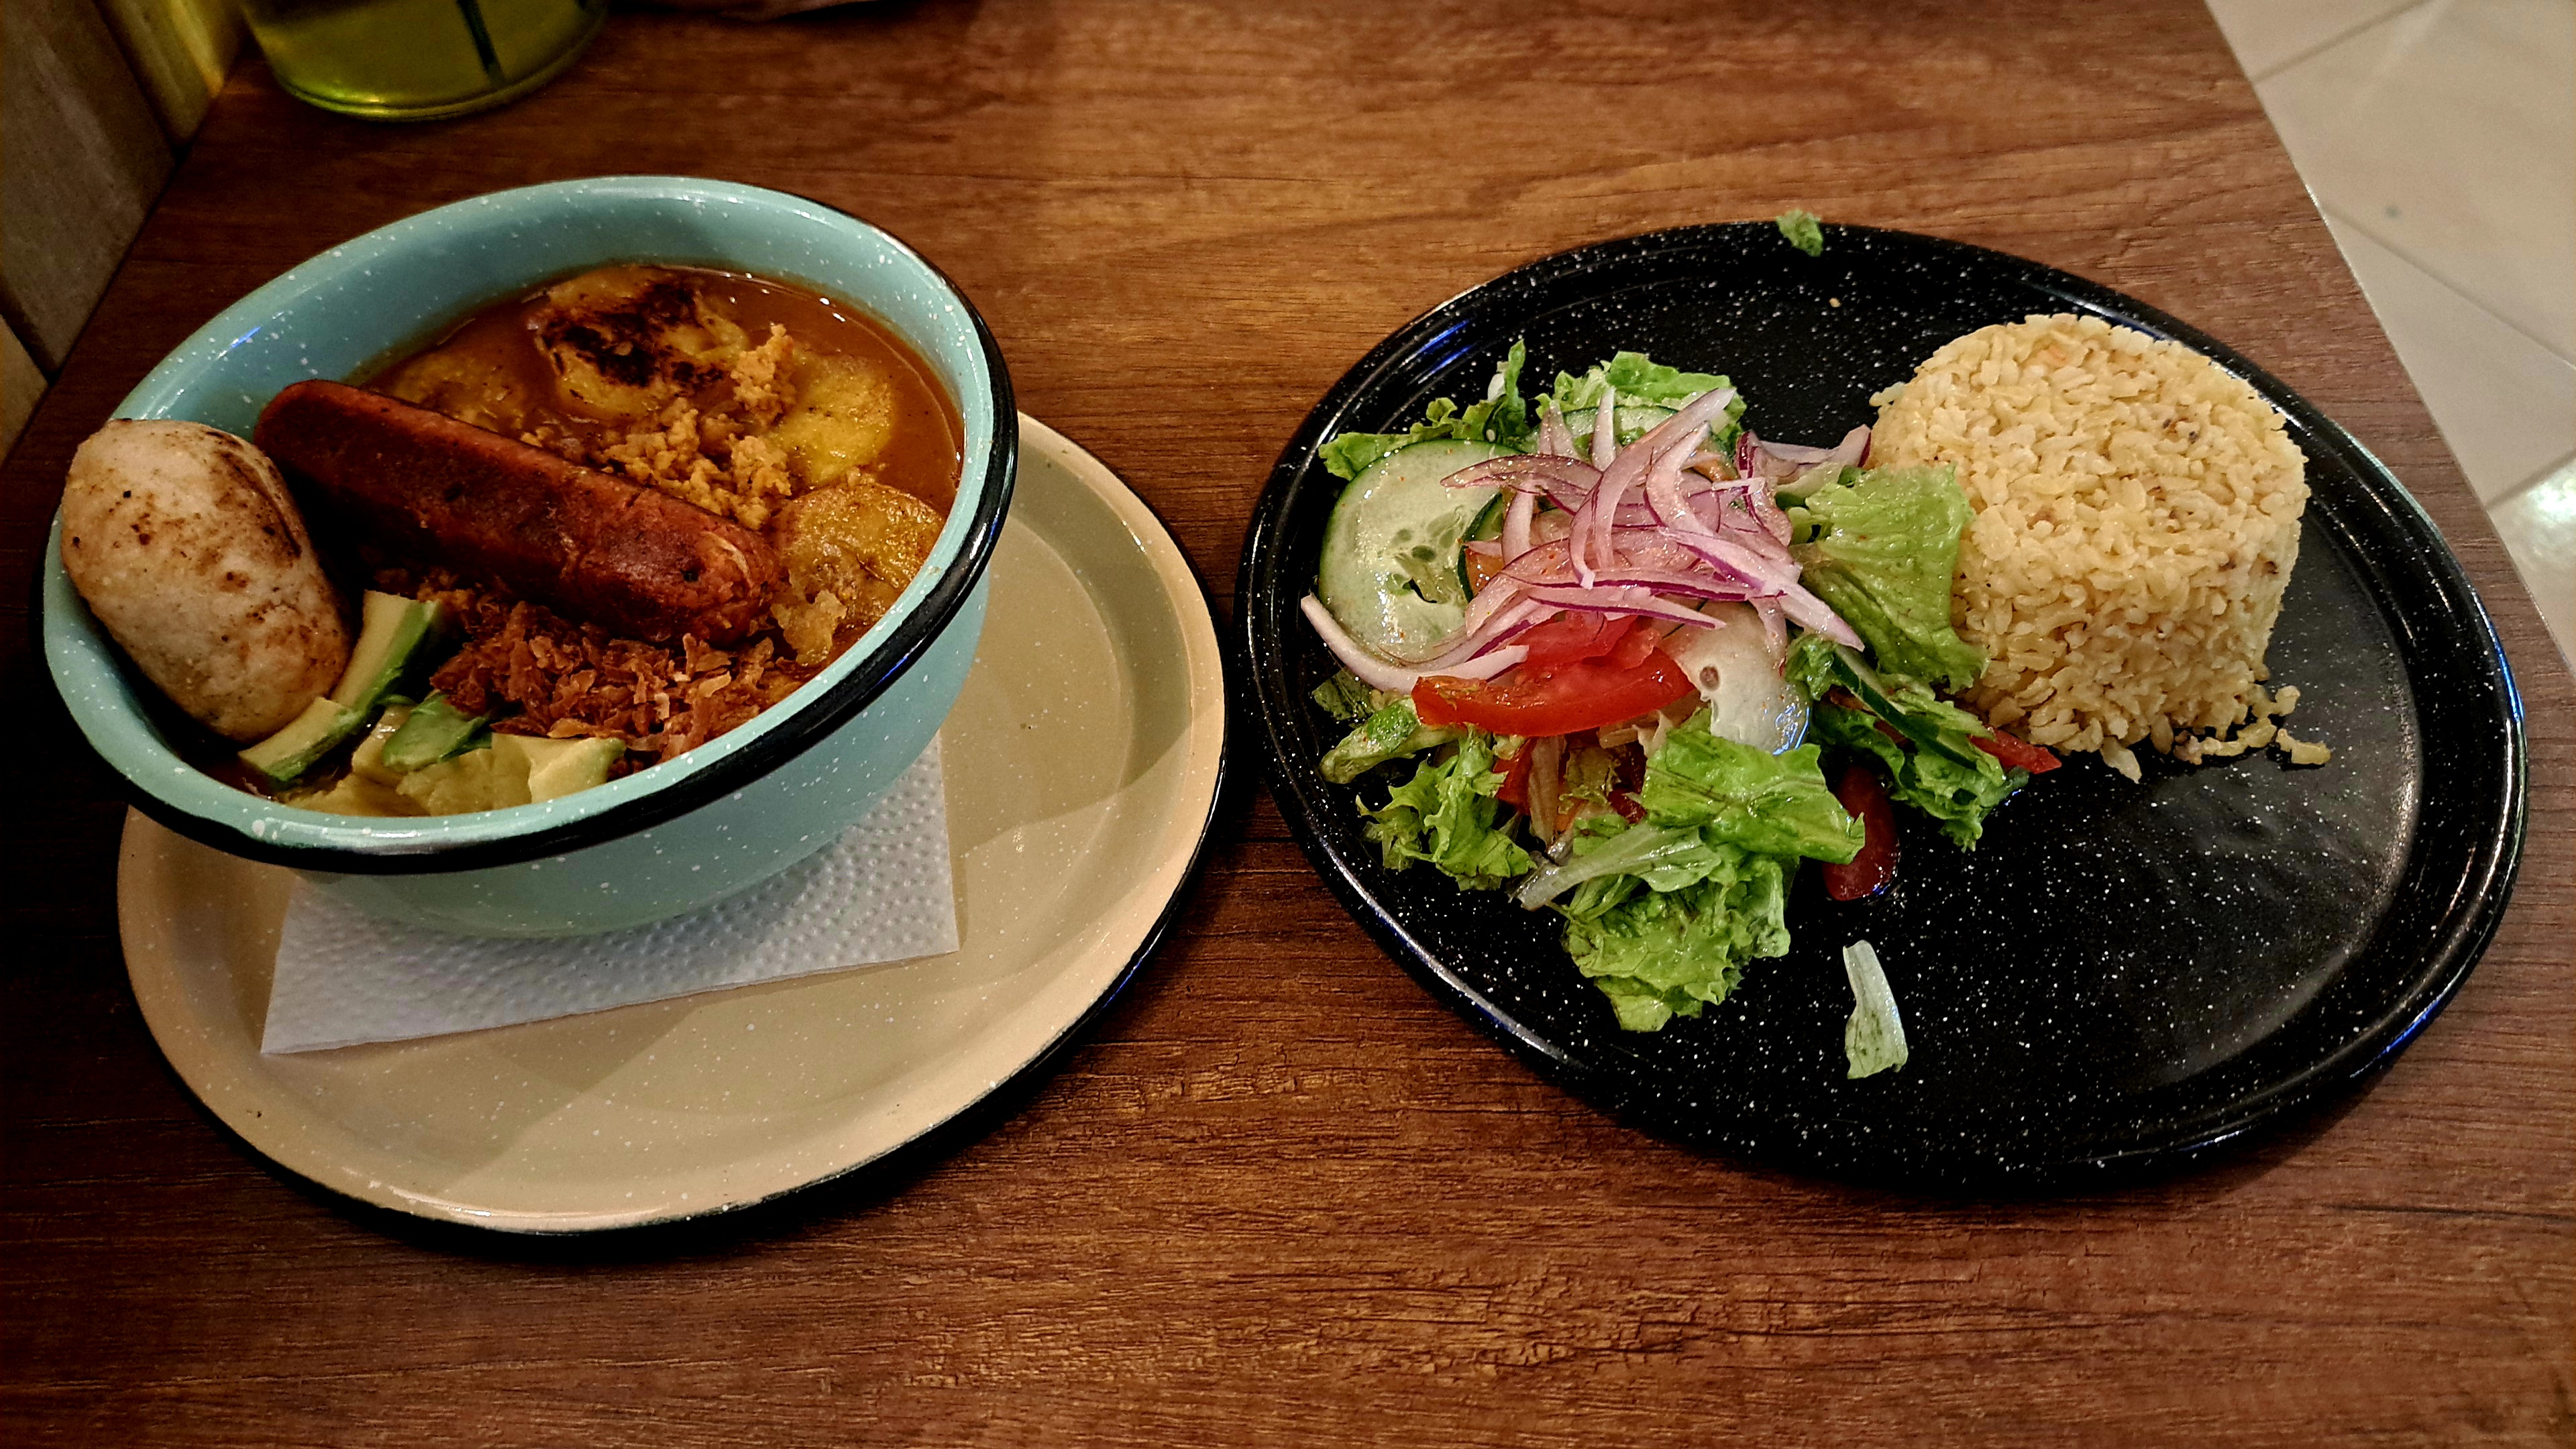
column 1529, row 472
column 1516, row 525
column 1555, row 439
column 1640, row 602
column 1775, row 630
column 1372, row 671
column 1605, row 428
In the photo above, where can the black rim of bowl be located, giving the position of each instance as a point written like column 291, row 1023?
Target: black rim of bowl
column 807, row 723
column 2434, row 585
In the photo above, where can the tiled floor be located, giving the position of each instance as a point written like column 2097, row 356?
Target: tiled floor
column 2439, row 139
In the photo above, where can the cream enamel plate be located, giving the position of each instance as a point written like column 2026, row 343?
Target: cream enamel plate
column 1084, row 759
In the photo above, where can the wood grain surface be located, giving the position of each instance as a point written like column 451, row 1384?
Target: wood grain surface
column 1283, row 1196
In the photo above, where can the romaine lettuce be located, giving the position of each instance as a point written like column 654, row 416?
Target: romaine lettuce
column 1803, row 231
column 1639, row 379
column 1661, row 952
column 1746, row 797
column 1882, row 551
column 1502, row 418
column 1937, row 768
column 1387, row 734
column 1447, row 815
column 1874, row 1038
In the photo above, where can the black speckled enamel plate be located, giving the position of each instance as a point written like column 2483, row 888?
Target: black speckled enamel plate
column 2123, row 975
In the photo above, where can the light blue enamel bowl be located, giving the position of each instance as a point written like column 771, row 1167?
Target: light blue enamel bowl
column 664, row 840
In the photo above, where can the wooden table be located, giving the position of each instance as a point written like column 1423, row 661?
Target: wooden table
column 1283, row 1195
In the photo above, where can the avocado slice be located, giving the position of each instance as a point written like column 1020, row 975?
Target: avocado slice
column 434, row 730
column 367, row 761
column 560, row 767
column 395, row 634
column 484, row 779
column 287, row 754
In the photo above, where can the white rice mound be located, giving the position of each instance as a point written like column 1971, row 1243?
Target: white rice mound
column 2137, row 517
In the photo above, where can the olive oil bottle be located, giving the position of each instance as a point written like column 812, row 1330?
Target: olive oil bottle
column 415, row 60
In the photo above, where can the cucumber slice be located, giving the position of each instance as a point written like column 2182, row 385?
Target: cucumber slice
column 394, row 633
column 429, row 734
column 287, row 754
column 1487, row 527
column 1390, row 571
column 1634, row 421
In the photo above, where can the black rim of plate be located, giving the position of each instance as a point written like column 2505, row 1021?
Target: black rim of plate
column 806, row 722
column 2457, row 877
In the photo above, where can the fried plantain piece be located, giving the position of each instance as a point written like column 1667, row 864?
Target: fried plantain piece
column 850, row 551
column 842, row 421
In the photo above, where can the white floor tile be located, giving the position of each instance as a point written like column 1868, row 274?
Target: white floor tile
column 2268, row 34
column 2447, row 132
column 2505, row 404
column 2539, row 528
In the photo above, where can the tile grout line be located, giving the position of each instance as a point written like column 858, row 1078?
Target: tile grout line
column 2357, row 224
column 2329, row 43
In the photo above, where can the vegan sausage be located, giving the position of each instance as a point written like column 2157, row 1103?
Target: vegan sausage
column 596, row 548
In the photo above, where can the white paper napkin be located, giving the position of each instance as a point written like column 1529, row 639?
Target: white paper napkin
column 882, row 893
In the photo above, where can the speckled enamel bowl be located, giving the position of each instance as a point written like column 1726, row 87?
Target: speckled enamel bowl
column 683, row 833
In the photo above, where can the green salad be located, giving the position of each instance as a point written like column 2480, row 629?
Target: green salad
column 1608, row 654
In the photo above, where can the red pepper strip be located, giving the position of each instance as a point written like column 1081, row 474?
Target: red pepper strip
column 1874, row 869
column 1516, row 771
column 2016, row 754
column 1562, row 699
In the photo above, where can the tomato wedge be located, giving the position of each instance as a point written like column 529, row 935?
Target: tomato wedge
column 1874, row 869
column 1572, row 636
column 1558, row 699
column 1516, row 771
column 2016, row 754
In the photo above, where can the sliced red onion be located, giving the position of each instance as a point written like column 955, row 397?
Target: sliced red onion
column 1810, row 612
column 1516, row 525
column 1846, row 454
column 1483, row 666
column 1637, row 601
column 1667, row 581
column 1529, row 472
column 1730, row 554
column 1493, row 632
column 1766, row 511
column 1372, row 671
column 1664, row 494
column 1775, row 630
column 1580, row 538
column 1555, row 439
column 1746, row 449
column 1605, row 428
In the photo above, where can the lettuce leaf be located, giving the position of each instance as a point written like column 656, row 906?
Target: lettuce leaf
column 1937, row 768
column 1388, row 734
column 1953, row 794
column 1501, row 418
column 1874, row 1038
column 1660, row 951
column 1639, row 379
column 1747, row 797
column 1882, row 551
column 1447, row 815
column 1802, row 230
column 1344, row 697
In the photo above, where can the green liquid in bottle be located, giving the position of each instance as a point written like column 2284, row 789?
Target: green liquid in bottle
column 419, row 59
